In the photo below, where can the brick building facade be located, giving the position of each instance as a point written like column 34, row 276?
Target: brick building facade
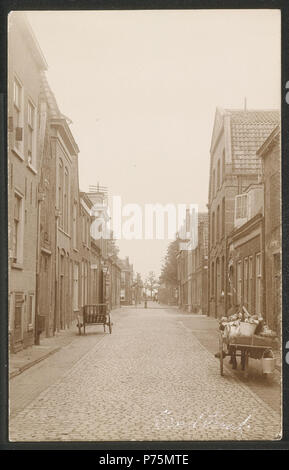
column 270, row 153
column 55, row 264
column 25, row 138
column 245, row 255
column 126, row 282
column 234, row 165
column 192, row 268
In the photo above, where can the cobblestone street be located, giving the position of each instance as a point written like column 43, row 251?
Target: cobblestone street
column 151, row 379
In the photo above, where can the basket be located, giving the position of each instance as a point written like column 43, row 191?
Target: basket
column 268, row 363
column 247, row 329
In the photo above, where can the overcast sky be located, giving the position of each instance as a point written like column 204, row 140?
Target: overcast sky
column 141, row 88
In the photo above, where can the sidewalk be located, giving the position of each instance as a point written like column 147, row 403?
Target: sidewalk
column 30, row 356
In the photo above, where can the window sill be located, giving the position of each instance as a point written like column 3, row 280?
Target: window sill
column 31, row 168
column 17, row 266
column 18, row 153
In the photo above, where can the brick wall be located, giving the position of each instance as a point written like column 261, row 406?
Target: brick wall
column 23, row 178
column 272, row 187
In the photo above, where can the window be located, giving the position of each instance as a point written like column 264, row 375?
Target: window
column 18, row 115
column 223, row 165
column 94, row 284
column 65, row 203
column 88, row 231
column 123, row 277
column 246, row 282
column 213, row 229
column 30, row 309
column 218, row 280
column 17, row 243
column 223, row 275
column 223, row 217
column 31, row 141
column 239, row 282
column 241, row 206
column 218, row 224
column 199, row 288
column 212, row 280
column 258, row 284
column 218, row 175
column 250, row 283
column 60, row 192
column 194, row 291
column 193, row 258
column 82, row 283
column 84, row 227
column 122, row 294
column 74, row 231
column 17, row 94
column 85, row 283
column 75, row 287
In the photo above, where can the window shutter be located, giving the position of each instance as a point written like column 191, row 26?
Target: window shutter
column 19, row 297
column 19, row 134
column 241, row 206
column 10, row 124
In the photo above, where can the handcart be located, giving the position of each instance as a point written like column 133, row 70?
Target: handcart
column 256, row 347
column 96, row 314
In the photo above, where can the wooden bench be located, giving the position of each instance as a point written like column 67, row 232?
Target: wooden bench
column 96, row 314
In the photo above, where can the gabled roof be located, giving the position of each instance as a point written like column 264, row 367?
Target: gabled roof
column 56, row 117
column 273, row 137
column 249, row 129
column 245, row 132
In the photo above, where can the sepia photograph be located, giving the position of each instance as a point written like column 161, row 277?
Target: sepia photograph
column 144, row 225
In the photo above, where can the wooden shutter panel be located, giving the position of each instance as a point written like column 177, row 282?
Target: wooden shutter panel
column 19, row 134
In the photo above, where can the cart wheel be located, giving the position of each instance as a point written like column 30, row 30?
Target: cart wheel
column 221, row 355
